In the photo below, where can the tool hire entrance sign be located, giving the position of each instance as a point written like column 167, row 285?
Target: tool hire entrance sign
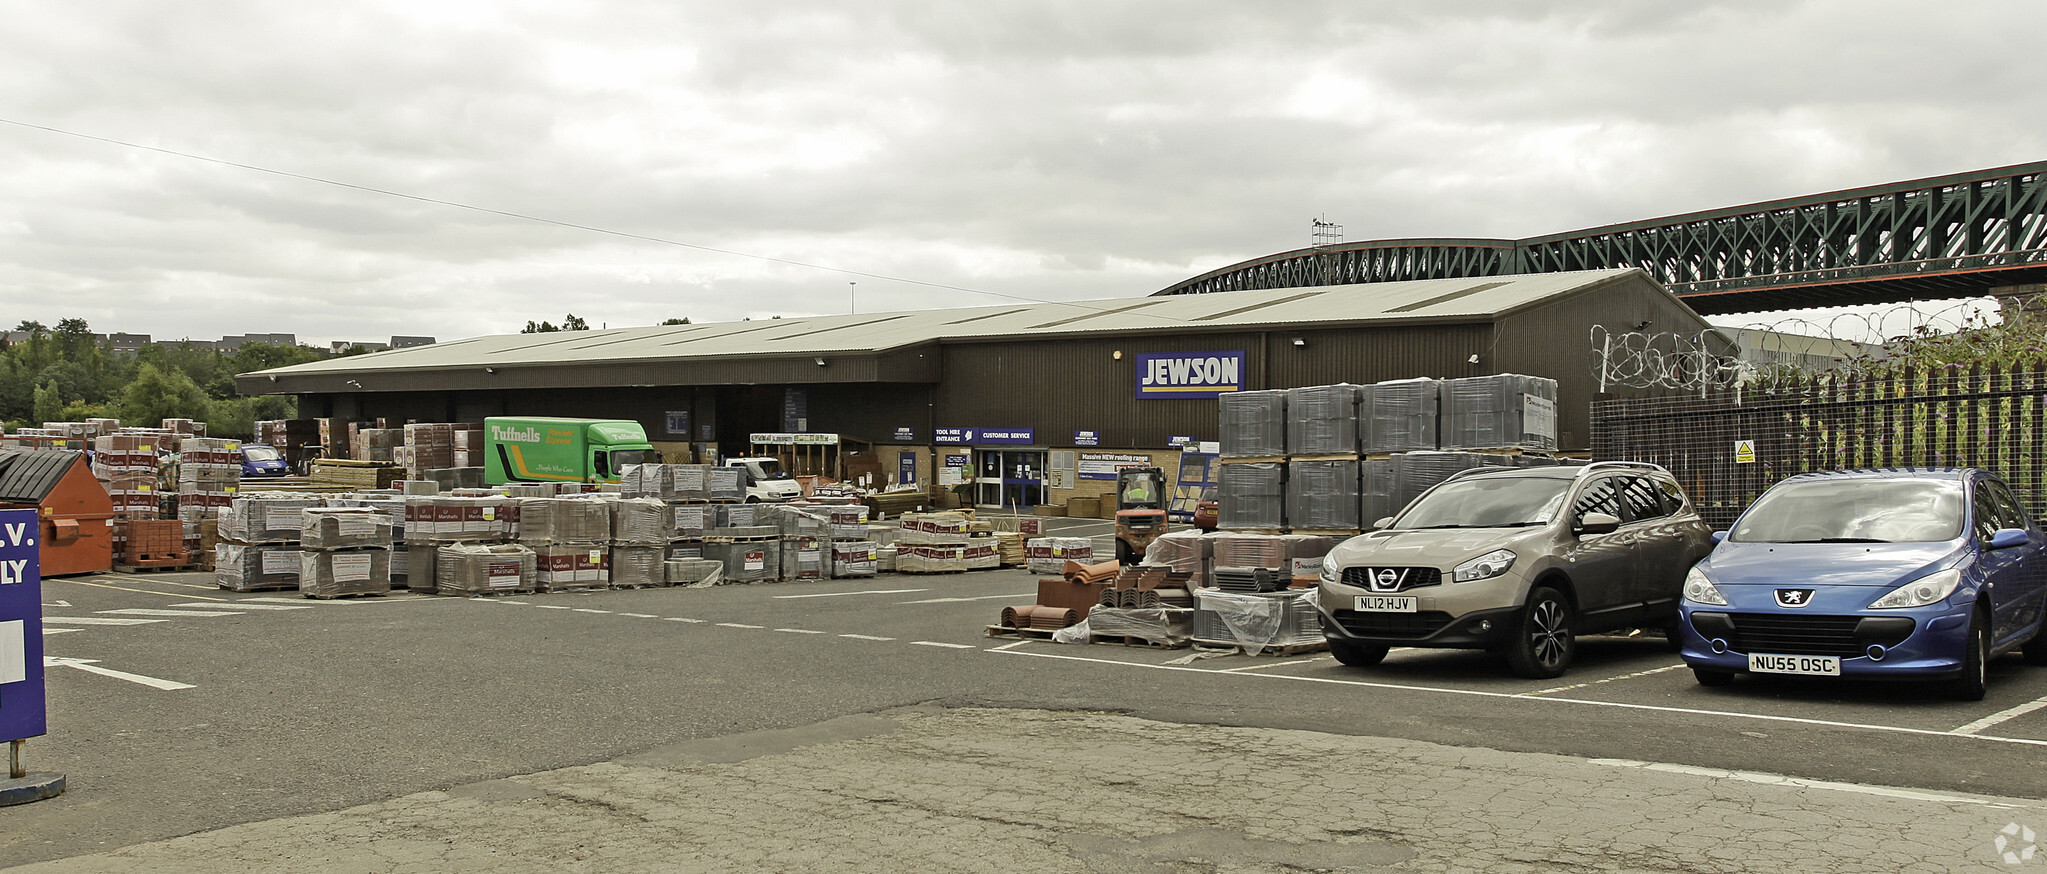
column 1188, row 374
column 22, row 714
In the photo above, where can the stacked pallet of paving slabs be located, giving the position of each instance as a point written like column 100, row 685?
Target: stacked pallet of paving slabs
column 209, row 477
column 640, row 529
column 1503, row 411
column 391, row 508
column 570, row 539
column 983, row 551
column 805, row 532
column 128, row 468
column 1050, row 555
column 484, row 569
column 151, row 543
column 184, row 427
column 749, row 553
column 468, row 445
column 428, row 446
column 931, row 543
column 259, row 547
column 693, row 572
column 433, row 521
column 344, row 551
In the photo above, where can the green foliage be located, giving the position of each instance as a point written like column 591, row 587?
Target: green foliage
column 48, row 408
column 155, row 395
column 67, row 375
column 681, row 321
column 570, row 322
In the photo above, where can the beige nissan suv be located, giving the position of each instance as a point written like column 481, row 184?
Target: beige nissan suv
column 1516, row 561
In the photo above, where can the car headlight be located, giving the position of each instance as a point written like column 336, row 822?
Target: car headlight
column 1331, row 572
column 1930, row 589
column 1484, row 567
column 1700, row 590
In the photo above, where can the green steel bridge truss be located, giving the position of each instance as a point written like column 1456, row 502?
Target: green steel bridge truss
column 1925, row 239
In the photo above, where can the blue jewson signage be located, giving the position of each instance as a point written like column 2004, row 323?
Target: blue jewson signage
column 1087, row 438
column 22, row 713
column 1188, row 374
column 985, row 436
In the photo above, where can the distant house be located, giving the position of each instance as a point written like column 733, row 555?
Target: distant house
column 127, row 344
column 409, row 342
column 339, row 346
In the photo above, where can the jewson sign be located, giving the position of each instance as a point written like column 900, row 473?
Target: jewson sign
column 1189, row 374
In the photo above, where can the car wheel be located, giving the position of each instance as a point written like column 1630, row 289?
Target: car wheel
column 1710, row 677
column 1975, row 663
column 1358, row 655
column 1543, row 642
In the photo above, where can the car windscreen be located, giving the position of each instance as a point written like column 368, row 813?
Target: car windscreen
column 1487, row 502
column 1854, row 511
column 623, row 458
column 260, row 452
column 772, row 469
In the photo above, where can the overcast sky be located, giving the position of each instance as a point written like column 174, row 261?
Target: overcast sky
column 1028, row 150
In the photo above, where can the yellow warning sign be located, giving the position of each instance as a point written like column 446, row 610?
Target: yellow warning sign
column 1744, row 452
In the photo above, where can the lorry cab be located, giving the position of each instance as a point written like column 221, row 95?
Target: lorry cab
column 548, row 449
column 263, row 460
column 765, row 480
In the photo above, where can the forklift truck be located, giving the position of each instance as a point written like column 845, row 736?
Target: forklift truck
column 1140, row 511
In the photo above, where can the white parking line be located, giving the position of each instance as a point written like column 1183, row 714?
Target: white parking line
column 681, row 619
column 739, row 625
column 1260, row 667
column 88, row 666
column 1477, row 693
column 981, row 598
column 239, row 606
column 942, row 644
column 47, row 630
column 2000, row 716
column 1803, row 783
column 1607, row 680
column 588, row 610
column 640, row 615
column 865, row 637
column 146, row 611
column 843, row 594
column 552, row 607
column 801, row 631
column 97, row 620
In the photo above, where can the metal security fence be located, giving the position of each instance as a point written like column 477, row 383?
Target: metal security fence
column 1727, row 445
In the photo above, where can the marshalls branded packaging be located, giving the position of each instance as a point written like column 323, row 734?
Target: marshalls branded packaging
column 1503, row 411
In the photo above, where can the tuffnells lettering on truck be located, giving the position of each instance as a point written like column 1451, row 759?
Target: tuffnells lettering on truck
column 1189, row 374
column 514, row 435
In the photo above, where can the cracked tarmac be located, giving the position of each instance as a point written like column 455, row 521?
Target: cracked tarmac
column 933, row 789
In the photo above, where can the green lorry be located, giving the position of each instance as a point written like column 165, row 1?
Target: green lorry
column 545, row 449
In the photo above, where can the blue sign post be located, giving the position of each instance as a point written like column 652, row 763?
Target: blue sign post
column 23, row 714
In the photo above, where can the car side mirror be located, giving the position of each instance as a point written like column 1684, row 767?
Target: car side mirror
column 2006, row 538
column 1718, row 537
column 1382, row 523
column 1598, row 523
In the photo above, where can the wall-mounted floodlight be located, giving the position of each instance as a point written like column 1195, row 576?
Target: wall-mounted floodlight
column 820, row 362
column 1300, row 342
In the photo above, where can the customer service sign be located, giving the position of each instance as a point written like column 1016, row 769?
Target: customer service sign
column 1188, row 374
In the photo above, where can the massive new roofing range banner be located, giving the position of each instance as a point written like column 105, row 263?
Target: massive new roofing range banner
column 1188, row 374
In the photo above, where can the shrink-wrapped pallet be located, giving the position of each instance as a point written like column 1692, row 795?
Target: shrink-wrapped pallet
column 265, row 518
column 244, row 567
column 848, row 521
column 1249, row 550
column 1322, row 495
column 1416, row 472
column 647, row 481
column 343, row 528
column 982, row 553
column 563, row 566
column 693, row 572
column 932, row 528
column 1399, row 415
column 800, row 522
column 854, row 558
column 1185, row 551
column 690, row 520
column 806, row 558
column 1252, row 423
column 482, row 568
column 722, row 484
column 747, row 561
column 640, row 522
column 563, row 520
column 1376, row 493
column 327, row 573
column 1322, row 419
column 1251, row 496
column 689, row 481
column 931, row 558
column 638, row 566
column 742, row 515
column 1503, row 411
column 1049, row 555
column 1257, row 621
column 1165, row 626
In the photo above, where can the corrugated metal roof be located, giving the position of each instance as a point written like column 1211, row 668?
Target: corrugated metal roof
column 29, row 476
column 1326, row 306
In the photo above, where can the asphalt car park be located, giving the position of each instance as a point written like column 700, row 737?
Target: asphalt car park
column 176, row 706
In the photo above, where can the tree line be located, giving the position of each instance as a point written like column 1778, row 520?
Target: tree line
column 65, row 374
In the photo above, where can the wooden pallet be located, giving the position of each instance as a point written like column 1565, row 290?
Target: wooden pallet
column 1290, row 649
column 263, row 587
column 346, row 595
column 153, row 568
column 1254, row 459
column 1022, row 633
column 1131, row 640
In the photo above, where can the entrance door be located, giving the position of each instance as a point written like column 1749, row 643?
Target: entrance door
column 1010, row 478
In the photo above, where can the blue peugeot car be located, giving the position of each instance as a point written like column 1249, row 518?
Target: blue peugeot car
column 1906, row 574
